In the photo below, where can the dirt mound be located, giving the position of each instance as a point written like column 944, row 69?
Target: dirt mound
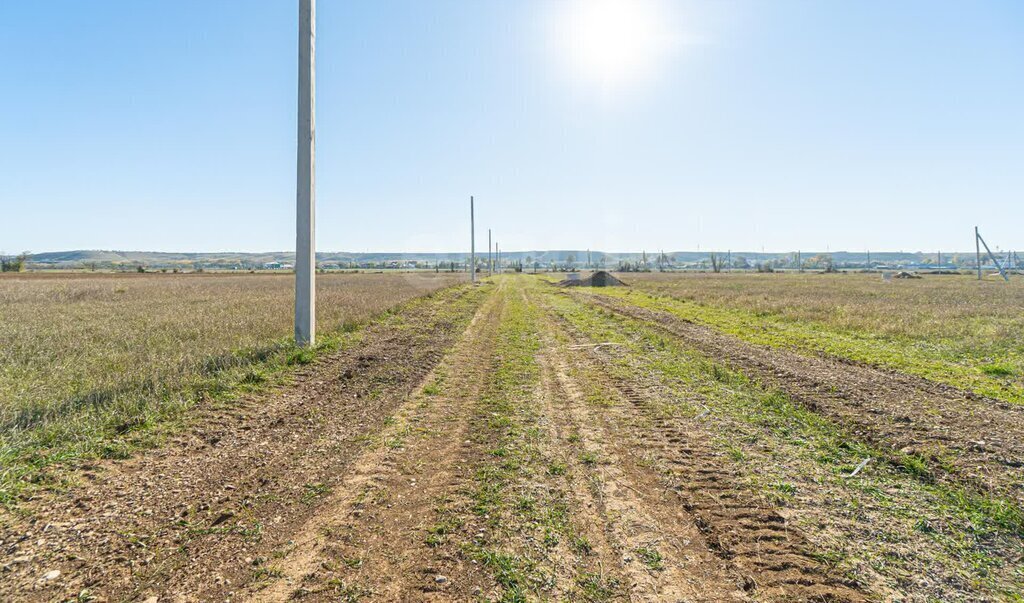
column 601, row 278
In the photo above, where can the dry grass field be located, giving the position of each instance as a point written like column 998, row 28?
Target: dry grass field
column 950, row 328
column 82, row 355
column 740, row 438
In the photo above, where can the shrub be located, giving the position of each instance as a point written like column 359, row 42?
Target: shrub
column 13, row 264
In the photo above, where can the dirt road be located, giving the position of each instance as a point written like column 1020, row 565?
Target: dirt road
column 514, row 441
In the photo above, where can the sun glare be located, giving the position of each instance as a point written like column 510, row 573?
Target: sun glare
column 615, row 42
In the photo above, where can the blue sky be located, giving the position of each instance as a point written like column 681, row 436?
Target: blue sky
column 170, row 125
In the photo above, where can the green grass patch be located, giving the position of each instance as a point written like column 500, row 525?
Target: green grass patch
column 957, row 358
column 529, row 526
column 650, row 557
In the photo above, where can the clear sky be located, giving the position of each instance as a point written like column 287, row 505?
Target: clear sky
column 169, row 125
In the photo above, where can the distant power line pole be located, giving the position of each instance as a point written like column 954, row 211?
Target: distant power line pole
column 305, row 192
column 490, row 260
column 472, row 243
column 999, row 267
column 977, row 250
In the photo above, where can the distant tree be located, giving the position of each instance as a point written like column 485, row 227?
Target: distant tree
column 716, row 262
column 821, row 261
column 13, row 264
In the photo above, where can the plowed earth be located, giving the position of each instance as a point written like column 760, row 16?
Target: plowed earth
column 517, row 441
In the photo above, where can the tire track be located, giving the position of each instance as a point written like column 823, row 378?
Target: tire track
column 597, row 553
column 976, row 440
column 767, row 558
column 630, row 506
column 369, row 537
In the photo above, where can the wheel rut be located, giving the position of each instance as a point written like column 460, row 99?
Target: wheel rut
column 753, row 547
column 369, row 537
column 653, row 547
column 976, row 440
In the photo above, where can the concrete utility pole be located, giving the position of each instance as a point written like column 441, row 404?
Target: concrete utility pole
column 490, row 260
column 991, row 256
column 472, row 243
column 305, row 190
column 977, row 250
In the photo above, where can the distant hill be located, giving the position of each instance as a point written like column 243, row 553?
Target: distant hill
column 112, row 259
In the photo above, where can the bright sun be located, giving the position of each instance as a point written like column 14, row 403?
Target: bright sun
column 615, row 42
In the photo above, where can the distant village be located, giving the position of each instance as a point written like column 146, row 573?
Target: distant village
column 534, row 261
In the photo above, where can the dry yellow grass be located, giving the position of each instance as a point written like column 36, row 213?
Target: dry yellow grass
column 934, row 306
column 950, row 328
column 84, row 351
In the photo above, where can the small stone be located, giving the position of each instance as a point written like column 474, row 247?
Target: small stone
column 51, row 575
column 440, row 579
column 153, row 599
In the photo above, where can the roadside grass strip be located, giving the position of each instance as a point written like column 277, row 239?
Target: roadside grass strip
column 988, row 372
column 889, row 522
